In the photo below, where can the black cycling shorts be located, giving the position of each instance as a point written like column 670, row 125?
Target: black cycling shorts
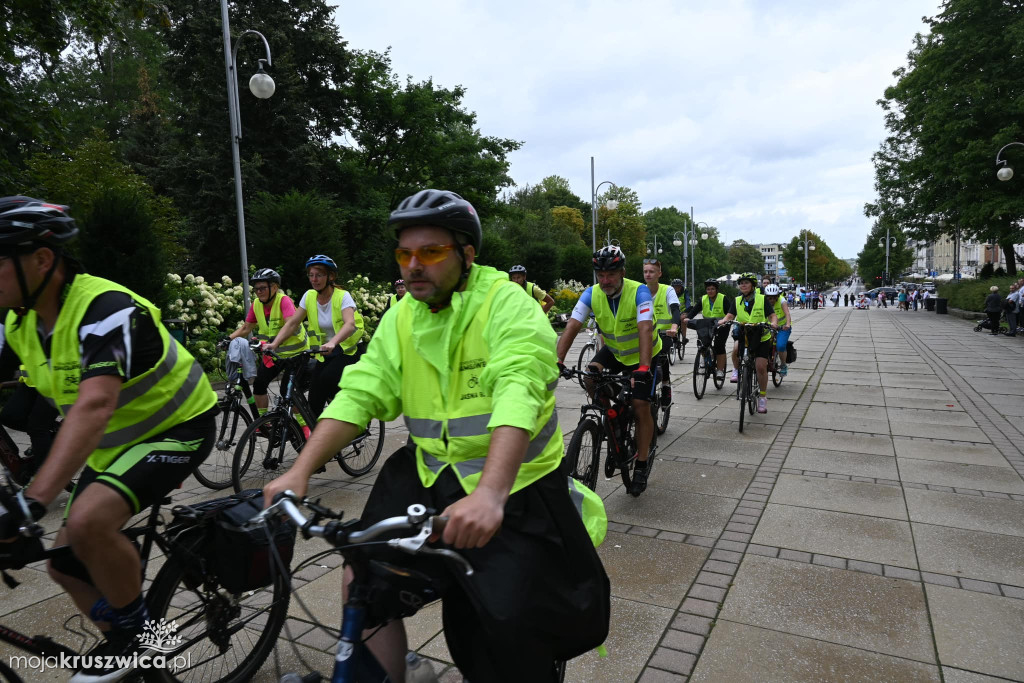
column 148, row 471
column 539, row 592
column 763, row 349
column 641, row 391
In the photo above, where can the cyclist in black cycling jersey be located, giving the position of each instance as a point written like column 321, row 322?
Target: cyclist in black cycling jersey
column 138, row 414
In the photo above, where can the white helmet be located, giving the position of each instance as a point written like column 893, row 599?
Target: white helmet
column 771, row 290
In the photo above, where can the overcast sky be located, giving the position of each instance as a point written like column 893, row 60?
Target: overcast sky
column 760, row 114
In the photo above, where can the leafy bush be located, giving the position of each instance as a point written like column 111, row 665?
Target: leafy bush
column 969, row 295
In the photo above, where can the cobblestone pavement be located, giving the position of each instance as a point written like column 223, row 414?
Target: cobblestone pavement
column 870, row 527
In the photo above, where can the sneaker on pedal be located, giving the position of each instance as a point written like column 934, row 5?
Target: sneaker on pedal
column 783, row 370
column 734, row 377
column 762, row 404
column 639, row 484
column 719, row 375
column 686, row 340
column 117, row 650
column 666, row 395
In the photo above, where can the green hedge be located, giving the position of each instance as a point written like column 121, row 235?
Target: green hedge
column 970, row 294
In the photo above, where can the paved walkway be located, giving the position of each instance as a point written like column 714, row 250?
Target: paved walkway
column 870, row 527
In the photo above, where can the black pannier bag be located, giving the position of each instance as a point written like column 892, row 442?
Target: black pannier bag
column 790, row 352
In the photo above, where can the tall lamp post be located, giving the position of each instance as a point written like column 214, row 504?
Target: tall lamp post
column 1005, row 171
column 806, row 245
column 262, row 86
column 956, row 244
column 889, row 242
column 687, row 239
column 653, row 249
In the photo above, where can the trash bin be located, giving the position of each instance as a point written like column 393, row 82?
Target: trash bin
column 940, row 306
column 929, row 304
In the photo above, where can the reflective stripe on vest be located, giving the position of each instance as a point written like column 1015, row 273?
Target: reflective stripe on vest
column 662, row 313
column 717, row 311
column 318, row 336
column 266, row 329
column 173, row 391
column 591, row 510
column 620, row 329
column 449, row 427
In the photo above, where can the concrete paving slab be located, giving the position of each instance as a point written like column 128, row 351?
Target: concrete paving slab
column 912, row 381
column 908, row 366
column 35, row 587
column 636, row 629
column 423, row 626
column 437, row 648
column 998, row 386
column 939, row 431
column 930, row 417
column 752, row 431
column 851, row 366
column 840, row 496
column 971, row 554
column 949, row 451
column 669, row 510
column 838, row 462
column 851, row 417
column 951, row 675
column 839, row 534
column 851, row 378
column 739, row 654
column 716, row 449
column 669, row 568
column 978, row 477
column 290, row 661
column 848, row 442
column 994, row 515
column 778, row 413
column 707, row 479
column 874, row 613
column 977, row 632
column 835, row 393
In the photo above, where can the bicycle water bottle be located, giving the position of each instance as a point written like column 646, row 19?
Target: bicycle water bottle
column 418, row 670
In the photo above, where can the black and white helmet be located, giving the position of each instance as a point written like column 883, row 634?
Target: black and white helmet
column 26, row 221
column 265, row 275
column 517, row 269
column 609, row 258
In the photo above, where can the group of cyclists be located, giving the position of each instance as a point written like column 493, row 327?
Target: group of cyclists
column 464, row 353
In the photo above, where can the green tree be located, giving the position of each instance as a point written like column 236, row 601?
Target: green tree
column 568, row 224
column 871, row 259
column 119, row 242
column 744, row 257
column 624, row 223
column 959, row 99
column 576, row 262
column 822, row 264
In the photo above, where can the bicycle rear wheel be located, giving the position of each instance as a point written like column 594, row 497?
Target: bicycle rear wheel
column 586, row 355
column 215, row 472
column 776, row 375
column 584, row 453
column 672, row 355
column 661, row 413
column 700, row 377
column 361, row 455
column 265, row 451
column 225, row 638
column 681, row 351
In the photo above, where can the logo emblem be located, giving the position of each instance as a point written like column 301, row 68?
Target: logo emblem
column 160, row 635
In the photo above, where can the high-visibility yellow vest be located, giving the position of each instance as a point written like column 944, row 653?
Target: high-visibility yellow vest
column 591, row 509
column 450, row 429
column 620, row 331
column 267, row 329
column 780, row 314
column 662, row 313
column 716, row 310
column 318, row 336
column 756, row 315
column 173, row 391
column 533, row 290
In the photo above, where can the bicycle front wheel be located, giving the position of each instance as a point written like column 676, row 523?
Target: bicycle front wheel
column 225, row 638
column 586, row 355
column 700, row 378
column 752, row 389
column 584, row 453
column 681, row 351
column 742, row 389
column 776, row 375
column 661, row 413
column 361, row 455
column 672, row 356
column 265, row 451
column 215, row 472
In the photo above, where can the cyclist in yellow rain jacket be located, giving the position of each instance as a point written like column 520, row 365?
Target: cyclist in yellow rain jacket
column 470, row 363
column 138, row 417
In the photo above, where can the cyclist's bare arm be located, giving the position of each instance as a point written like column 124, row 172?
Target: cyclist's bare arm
column 78, row 437
column 243, row 330
column 572, row 328
column 473, row 520
column 291, row 324
column 348, row 328
column 547, row 303
column 329, row 437
column 645, row 329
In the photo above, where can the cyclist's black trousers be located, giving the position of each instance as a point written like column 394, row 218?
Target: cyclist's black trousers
column 539, row 592
column 326, row 376
column 27, row 411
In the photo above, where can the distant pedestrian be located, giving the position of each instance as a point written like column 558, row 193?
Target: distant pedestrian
column 994, row 308
column 1012, row 310
column 846, row 300
column 903, row 300
column 814, row 300
column 835, row 299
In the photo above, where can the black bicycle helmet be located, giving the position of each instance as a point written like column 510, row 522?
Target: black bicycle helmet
column 711, row 283
column 321, row 260
column 265, row 275
column 677, row 282
column 26, row 221
column 439, row 208
column 517, row 269
column 609, row 258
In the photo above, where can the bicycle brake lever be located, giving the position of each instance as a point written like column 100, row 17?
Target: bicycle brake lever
column 414, row 544
column 451, row 555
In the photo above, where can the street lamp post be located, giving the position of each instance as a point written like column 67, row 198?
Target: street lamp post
column 654, row 249
column 262, row 86
column 687, row 239
column 889, row 242
column 806, row 245
column 611, row 204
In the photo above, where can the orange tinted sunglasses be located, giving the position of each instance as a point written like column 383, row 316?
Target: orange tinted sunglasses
column 428, row 255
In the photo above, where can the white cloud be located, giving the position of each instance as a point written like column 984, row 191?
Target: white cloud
column 759, row 113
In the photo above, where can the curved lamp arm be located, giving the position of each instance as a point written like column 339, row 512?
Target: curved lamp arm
column 234, row 80
column 1000, row 161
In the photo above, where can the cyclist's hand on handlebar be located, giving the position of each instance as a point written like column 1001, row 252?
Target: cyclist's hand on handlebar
column 224, row 343
column 564, row 371
column 11, row 520
column 641, row 376
column 290, row 480
column 326, row 349
column 671, row 333
column 474, row 520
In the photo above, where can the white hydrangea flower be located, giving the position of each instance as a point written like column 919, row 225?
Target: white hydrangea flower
column 226, row 280
column 200, row 279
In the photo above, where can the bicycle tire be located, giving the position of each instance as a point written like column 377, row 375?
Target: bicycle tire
column 585, row 464
column 700, row 380
column 168, row 599
column 625, row 466
column 586, row 355
column 752, row 389
column 215, row 472
column 742, row 389
column 776, row 376
column 360, row 456
column 661, row 418
column 672, row 356
column 262, row 445
column 719, row 381
column 681, row 350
